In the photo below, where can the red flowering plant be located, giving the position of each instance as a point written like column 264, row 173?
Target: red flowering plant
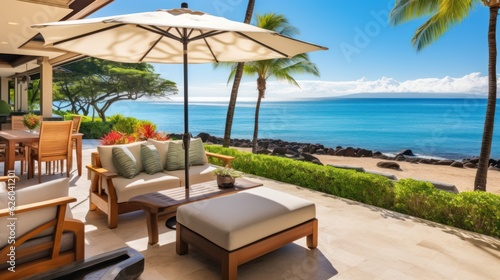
column 116, row 137
column 146, row 131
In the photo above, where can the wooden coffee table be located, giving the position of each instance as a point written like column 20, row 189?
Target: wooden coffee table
column 166, row 202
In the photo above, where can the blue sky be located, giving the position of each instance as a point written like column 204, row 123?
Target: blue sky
column 366, row 54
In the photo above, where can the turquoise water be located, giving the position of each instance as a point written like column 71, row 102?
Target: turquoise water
column 447, row 128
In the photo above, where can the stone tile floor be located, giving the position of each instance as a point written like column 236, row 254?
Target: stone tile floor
column 356, row 241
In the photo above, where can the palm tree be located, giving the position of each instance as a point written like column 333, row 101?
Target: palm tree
column 236, row 84
column 444, row 14
column 281, row 68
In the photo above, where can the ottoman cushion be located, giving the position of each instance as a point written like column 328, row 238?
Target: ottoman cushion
column 236, row 220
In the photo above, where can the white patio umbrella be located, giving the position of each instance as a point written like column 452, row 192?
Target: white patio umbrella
column 171, row 36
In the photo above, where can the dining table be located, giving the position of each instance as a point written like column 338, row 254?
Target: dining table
column 13, row 137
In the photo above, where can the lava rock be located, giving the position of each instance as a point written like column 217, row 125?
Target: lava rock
column 389, row 165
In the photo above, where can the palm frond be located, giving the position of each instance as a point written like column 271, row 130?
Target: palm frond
column 406, row 10
column 450, row 12
column 277, row 23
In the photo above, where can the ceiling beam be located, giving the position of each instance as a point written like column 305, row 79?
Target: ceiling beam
column 54, row 3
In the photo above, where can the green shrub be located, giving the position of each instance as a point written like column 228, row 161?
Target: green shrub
column 476, row 211
column 95, row 130
column 367, row 188
column 123, row 124
column 69, row 116
column 422, row 199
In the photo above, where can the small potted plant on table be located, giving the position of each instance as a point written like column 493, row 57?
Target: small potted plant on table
column 226, row 176
column 31, row 121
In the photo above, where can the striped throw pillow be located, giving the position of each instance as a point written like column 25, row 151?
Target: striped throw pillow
column 124, row 162
column 150, row 159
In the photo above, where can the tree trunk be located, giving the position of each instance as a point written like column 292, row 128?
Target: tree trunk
column 261, row 87
column 484, row 156
column 236, row 85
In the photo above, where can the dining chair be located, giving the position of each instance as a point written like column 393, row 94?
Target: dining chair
column 54, row 144
column 77, row 120
column 19, row 156
column 23, row 150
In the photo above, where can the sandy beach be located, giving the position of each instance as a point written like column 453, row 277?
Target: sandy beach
column 462, row 178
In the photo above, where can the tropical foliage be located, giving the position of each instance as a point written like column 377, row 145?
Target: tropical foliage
column 443, row 15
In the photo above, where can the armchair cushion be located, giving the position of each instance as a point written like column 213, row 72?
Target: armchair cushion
column 124, row 162
column 151, row 159
column 37, row 193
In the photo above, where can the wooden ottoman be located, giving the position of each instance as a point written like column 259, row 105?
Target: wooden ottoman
column 238, row 228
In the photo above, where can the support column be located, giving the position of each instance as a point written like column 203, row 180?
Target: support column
column 45, row 87
column 23, row 86
column 4, row 89
column 17, row 95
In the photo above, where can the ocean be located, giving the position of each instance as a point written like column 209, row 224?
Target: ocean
column 430, row 127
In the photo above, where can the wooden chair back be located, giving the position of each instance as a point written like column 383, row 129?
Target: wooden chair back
column 55, row 140
column 77, row 120
column 16, row 123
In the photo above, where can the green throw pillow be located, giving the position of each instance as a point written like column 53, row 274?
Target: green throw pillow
column 124, row 162
column 150, row 159
column 196, row 152
column 175, row 156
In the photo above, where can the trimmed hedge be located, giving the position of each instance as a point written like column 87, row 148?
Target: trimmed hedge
column 367, row 188
column 474, row 211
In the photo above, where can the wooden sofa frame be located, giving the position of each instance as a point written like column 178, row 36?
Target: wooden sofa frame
column 56, row 259
column 107, row 202
column 230, row 260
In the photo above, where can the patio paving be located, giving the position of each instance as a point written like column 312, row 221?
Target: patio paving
column 356, row 241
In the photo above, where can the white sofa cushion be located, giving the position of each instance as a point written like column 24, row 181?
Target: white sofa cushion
column 236, row 220
column 141, row 184
column 105, row 154
column 40, row 192
column 197, row 174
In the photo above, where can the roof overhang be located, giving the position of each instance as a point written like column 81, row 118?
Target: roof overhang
column 21, row 46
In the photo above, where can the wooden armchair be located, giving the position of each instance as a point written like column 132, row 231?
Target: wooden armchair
column 41, row 233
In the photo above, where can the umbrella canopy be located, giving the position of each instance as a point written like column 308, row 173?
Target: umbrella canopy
column 171, row 36
column 159, row 36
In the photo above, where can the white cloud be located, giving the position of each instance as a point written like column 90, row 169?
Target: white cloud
column 473, row 83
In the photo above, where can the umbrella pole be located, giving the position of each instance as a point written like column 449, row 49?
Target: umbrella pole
column 186, row 137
